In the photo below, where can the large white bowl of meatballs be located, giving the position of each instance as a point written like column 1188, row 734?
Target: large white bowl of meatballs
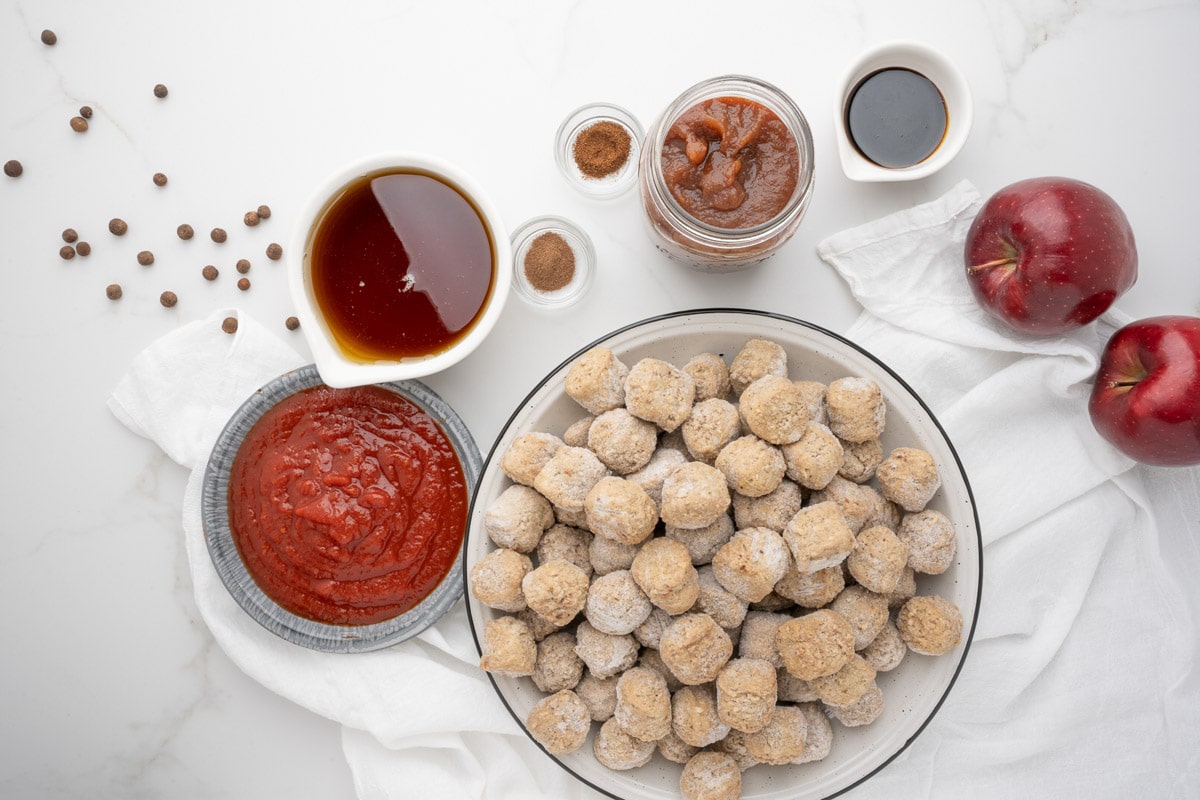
column 723, row 554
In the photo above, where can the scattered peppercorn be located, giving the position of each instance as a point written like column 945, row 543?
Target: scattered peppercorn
column 291, row 323
column 145, row 258
column 13, row 168
column 160, row 90
column 251, row 219
column 229, row 324
column 83, row 248
column 274, row 251
column 66, row 252
column 264, row 212
column 243, row 266
column 85, row 112
column 49, row 38
column 70, row 235
column 160, row 179
column 210, row 272
column 117, row 226
column 168, row 299
column 218, row 235
column 185, row 231
column 113, row 290
column 243, row 284
column 79, row 124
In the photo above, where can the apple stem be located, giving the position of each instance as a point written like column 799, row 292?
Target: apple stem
column 1121, row 384
column 999, row 262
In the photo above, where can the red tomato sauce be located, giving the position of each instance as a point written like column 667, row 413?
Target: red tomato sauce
column 348, row 506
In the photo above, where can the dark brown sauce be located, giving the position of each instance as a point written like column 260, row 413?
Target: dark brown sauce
column 401, row 266
column 896, row 117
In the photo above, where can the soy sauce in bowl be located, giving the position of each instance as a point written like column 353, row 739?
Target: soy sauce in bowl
column 896, row 117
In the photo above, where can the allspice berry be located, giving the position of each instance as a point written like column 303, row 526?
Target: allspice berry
column 70, row 235
column 168, row 299
column 243, row 265
column 113, row 291
column 160, row 91
column 79, row 124
column 210, row 272
column 218, row 235
column 159, row 179
column 145, row 258
column 229, row 324
column 244, row 284
column 264, row 212
column 117, row 226
column 291, row 323
column 49, row 38
column 85, row 112
column 185, row 231
column 66, row 252
column 274, row 251
column 13, row 168
column 251, row 219
column 83, row 248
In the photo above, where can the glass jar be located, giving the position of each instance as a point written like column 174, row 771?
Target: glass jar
column 680, row 233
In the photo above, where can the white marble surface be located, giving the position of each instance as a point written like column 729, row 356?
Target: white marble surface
column 111, row 685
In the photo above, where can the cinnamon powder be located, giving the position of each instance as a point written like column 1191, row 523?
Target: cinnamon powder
column 601, row 149
column 549, row 262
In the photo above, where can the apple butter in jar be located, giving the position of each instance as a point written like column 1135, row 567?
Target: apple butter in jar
column 726, row 174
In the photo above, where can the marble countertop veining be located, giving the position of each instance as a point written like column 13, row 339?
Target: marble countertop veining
column 110, row 684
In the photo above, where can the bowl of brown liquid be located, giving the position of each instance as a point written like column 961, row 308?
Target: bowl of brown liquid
column 399, row 269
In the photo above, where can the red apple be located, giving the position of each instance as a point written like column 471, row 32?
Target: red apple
column 1047, row 255
column 1146, row 399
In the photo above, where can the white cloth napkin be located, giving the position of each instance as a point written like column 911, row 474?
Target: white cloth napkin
column 1080, row 682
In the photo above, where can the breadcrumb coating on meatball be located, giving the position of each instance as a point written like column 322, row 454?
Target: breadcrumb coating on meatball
column 772, row 510
column 527, row 454
column 615, row 604
column 674, row 749
column 619, row 509
column 746, row 694
column 557, row 667
column 703, row 543
column 931, row 542
column 930, row 625
column 603, row 653
column 866, row 611
column 509, row 648
column 643, row 704
column 862, row 711
column 856, row 408
column 609, row 555
column 652, row 476
column 848, row 684
column 616, row 749
column 751, row 466
column 815, row 645
column 556, row 590
column 577, row 432
column 663, row 569
column 818, row 537
column 727, row 609
column 659, row 392
column 878, row 559
column 860, row 460
column 622, row 441
column 815, row 458
column 711, row 776
column 857, row 501
column 775, row 409
column 814, row 589
column 568, row 477
column 560, row 722
column 694, row 495
column 781, row 740
column 695, row 648
column 598, row 694
column 568, row 543
column 887, row 649
column 760, row 631
column 818, row 738
column 496, row 579
column 757, row 358
column 908, row 477
column 597, row 380
column 710, row 374
column 751, row 563
column 713, row 424
column 694, row 716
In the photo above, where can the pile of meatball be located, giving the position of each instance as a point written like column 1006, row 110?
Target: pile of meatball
column 712, row 563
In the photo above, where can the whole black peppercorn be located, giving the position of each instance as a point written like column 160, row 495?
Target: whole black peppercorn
column 85, row 112
column 160, row 90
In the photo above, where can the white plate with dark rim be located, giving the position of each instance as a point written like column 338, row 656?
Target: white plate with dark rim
column 912, row 693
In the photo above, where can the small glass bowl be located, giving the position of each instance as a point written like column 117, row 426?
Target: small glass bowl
column 614, row 184
column 581, row 246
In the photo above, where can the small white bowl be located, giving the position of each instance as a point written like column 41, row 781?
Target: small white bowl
column 938, row 69
column 338, row 369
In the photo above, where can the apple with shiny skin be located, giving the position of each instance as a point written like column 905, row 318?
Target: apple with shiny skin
column 1047, row 255
column 1146, row 399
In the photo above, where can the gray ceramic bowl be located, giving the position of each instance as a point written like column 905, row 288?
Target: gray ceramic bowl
column 228, row 561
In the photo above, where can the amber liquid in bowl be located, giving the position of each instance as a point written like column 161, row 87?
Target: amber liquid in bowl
column 401, row 265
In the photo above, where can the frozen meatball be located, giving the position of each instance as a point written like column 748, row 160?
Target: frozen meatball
column 751, row 466
column 886, row 650
column 757, row 358
column 694, row 495
column 930, row 539
column 695, row 648
column 577, row 432
column 576, row 519
column 775, row 409
column 814, row 458
column 713, row 424
column 862, row 711
column 760, row 633
column 816, row 644
column 857, row 412
column 746, row 694
column 751, row 563
column 727, row 609
column 710, row 373
column 846, row 685
column 652, row 476
column 616, row 749
column 508, row 647
column 734, row 746
column 711, row 776
column 652, row 659
column 857, row 501
column 818, row 537
column 496, row 579
column 703, row 543
column 517, row 517
column 619, row 509
column 906, row 589
column 557, row 667
column 527, row 454
column 793, row 689
column 539, row 626
column 813, row 589
column 780, row 741
column 880, row 511
column 878, row 559
column 814, row 395
column 598, row 694
column 866, row 611
column 663, row 569
column 818, row 739
column 772, row 510
column 622, row 441
column 643, row 704
column 930, row 625
column 597, row 380
column 909, row 478
column 604, row 654
column 559, row 722
column 674, row 749
column 557, row 590
column 660, row 393
column 860, row 460
column 567, row 543
column 609, row 555
column 694, row 716
column 773, row 602
column 568, row 477
column 649, row 633
column 615, row 603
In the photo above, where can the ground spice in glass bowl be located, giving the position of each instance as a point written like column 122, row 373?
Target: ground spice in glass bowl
column 597, row 148
column 553, row 262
